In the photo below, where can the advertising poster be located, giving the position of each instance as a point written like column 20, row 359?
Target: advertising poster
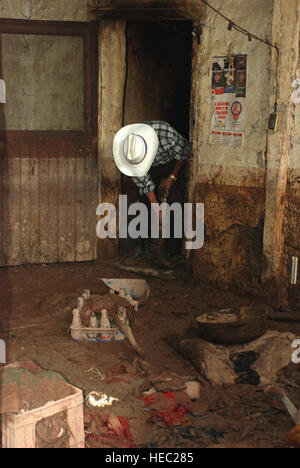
column 229, row 88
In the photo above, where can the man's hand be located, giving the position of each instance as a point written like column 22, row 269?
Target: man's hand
column 165, row 188
column 155, row 205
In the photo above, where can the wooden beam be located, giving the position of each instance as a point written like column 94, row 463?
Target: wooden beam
column 112, row 77
column 286, row 35
column 146, row 10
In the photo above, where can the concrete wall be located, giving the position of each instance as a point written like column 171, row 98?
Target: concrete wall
column 231, row 181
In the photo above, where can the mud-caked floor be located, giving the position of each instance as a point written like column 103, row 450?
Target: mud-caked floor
column 36, row 312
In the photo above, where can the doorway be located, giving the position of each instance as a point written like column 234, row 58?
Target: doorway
column 159, row 73
column 158, row 81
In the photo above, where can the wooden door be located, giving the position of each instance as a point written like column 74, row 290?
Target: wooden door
column 48, row 142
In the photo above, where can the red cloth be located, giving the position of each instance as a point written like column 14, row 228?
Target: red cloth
column 122, row 372
column 98, row 429
column 171, row 407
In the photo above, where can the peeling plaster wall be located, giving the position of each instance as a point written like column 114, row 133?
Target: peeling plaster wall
column 292, row 211
column 280, row 228
column 58, row 10
column 231, row 181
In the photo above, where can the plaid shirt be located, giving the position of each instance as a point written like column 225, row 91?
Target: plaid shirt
column 171, row 146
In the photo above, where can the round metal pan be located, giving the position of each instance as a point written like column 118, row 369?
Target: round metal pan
column 250, row 324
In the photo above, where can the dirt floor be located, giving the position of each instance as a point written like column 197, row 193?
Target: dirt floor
column 36, row 313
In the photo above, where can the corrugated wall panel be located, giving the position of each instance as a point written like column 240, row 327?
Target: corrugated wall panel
column 48, row 210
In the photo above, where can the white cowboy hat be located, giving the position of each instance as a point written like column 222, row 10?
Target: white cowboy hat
column 135, row 147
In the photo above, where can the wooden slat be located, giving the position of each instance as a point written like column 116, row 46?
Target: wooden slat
column 80, row 210
column 91, row 204
column 42, row 145
column 1, row 210
column 53, row 209
column 34, row 201
column 25, row 256
column 70, row 222
column 14, row 212
column 49, row 28
column 49, row 208
column 62, row 178
column 44, row 210
column 6, row 231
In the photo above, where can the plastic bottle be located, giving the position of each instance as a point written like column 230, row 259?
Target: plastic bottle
column 104, row 323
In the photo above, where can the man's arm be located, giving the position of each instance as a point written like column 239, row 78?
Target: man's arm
column 165, row 187
column 153, row 200
column 167, row 183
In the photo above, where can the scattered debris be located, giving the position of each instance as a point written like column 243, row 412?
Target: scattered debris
column 293, row 437
column 135, row 289
column 270, row 353
column 106, row 429
column 22, row 389
column 292, row 410
column 53, row 432
column 100, row 400
column 193, row 389
column 94, row 371
column 49, row 409
column 147, row 271
column 122, row 372
column 95, row 316
column 170, row 407
column 209, row 362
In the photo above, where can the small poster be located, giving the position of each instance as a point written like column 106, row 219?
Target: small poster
column 229, row 90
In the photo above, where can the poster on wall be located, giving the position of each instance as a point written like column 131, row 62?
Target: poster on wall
column 229, row 89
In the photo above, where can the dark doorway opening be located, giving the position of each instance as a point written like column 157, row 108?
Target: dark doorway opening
column 159, row 73
column 158, row 84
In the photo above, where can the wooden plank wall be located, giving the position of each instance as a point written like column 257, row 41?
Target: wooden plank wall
column 48, row 207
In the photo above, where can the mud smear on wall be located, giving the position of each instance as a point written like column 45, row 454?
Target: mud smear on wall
column 232, row 251
column 291, row 233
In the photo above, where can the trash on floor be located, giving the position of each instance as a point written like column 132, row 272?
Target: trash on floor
column 105, row 429
column 171, row 382
column 293, row 437
column 25, row 386
column 147, row 271
column 47, row 412
column 206, row 357
column 172, row 408
column 100, row 400
column 218, row 364
column 121, row 372
column 53, row 432
column 135, row 289
column 103, row 319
